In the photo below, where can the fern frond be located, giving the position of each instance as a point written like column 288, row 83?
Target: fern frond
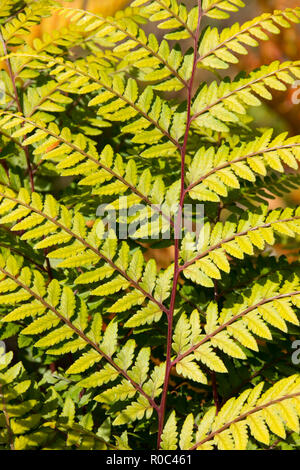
column 122, row 99
column 225, row 166
column 22, row 421
column 170, row 15
column 216, row 106
column 235, row 239
column 270, row 303
column 14, row 29
column 219, row 50
column 139, row 50
column 218, row 9
column 253, row 415
column 55, row 220
column 78, row 326
column 57, row 42
column 77, row 155
column 6, row 9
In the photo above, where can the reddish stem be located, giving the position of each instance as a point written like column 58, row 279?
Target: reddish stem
column 177, row 231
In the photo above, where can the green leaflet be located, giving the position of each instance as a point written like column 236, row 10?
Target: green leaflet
column 169, row 435
column 236, row 239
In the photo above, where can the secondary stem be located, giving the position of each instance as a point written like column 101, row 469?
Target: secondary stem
column 25, row 148
column 16, row 97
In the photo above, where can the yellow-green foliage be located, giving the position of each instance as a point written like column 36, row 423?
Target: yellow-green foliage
column 117, row 352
